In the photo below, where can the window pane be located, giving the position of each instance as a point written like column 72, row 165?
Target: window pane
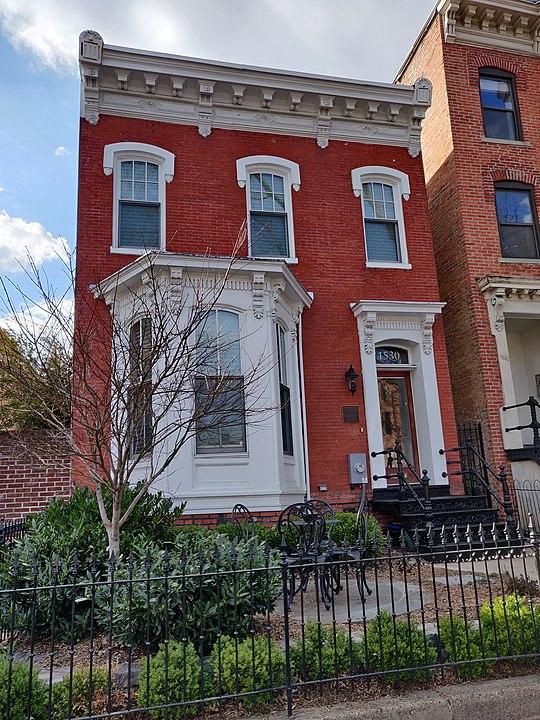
column 222, row 407
column 126, row 190
column 139, row 170
column 379, row 209
column 127, row 170
column 152, row 192
column 207, row 352
column 367, row 191
column 382, row 241
column 286, row 420
column 278, row 184
column 268, row 201
column 377, row 191
column 269, row 235
column 513, row 206
column 151, row 172
column 256, row 203
column 139, row 191
column 228, row 342
column 388, row 193
column 500, row 124
column 255, row 182
column 496, row 93
column 279, row 202
column 139, row 226
column 369, row 210
column 267, row 182
column 390, row 210
column 518, row 241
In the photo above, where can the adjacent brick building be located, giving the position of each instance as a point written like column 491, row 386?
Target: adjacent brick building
column 481, row 155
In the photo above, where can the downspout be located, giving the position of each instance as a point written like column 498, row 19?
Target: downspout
column 305, row 458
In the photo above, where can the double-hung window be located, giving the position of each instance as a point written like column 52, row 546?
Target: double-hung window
column 516, row 217
column 140, row 174
column 219, row 385
column 499, row 105
column 284, row 392
column 268, row 181
column 382, row 190
column 140, row 413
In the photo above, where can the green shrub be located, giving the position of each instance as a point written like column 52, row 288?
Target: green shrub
column 264, row 533
column 325, row 652
column 510, row 626
column 88, row 692
column 174, row 674
column 462, row 642
column 195, row 600
column 344, row 531
column 395, row 645
column 253, row 664
column 16, row 699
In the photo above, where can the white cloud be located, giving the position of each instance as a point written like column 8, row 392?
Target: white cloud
column 61, row 151
column 365, row 39
column 46, row 319
column 2, row 189
column 21, row 240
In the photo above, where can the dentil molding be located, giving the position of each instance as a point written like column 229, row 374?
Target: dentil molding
column 207, row 94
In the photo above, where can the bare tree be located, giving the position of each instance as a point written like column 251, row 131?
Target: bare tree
column 154, row 365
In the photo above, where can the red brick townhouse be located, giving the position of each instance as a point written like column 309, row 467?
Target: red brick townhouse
column 184, row 151
column 481, row 155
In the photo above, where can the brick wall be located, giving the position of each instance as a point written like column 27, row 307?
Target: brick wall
column 461, row 169
column 26, row 482
column 205, row 209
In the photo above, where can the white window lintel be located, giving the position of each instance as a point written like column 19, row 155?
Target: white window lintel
column 370, row 172
column 149, row 152
column 248, row 164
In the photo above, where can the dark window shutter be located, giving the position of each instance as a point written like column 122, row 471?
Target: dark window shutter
column 139, row 225
column 382, row 241
column 269, row 236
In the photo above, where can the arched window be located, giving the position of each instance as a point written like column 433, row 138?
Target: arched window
column 268, row 181
column 382, row 190
column 517, row 220
column 499, row 104
column 219, row 385
column 140, row 172
column 283, row 355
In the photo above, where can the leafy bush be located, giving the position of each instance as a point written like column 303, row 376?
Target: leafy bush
column 253, row 664
column 18, row 702
column 395, row 645
column 174, row 674
column 344, row 531
column 264, row 533
column 88, row 691
column 510, row 626
column 324, row 652
column 212, row 585
column 462, row 642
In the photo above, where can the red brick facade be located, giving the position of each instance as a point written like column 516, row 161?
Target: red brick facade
column 26, row 482
column 461, row 168
column 205, row 209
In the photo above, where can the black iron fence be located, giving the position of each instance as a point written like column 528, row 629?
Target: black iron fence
column 232, row 625
column 11, row 530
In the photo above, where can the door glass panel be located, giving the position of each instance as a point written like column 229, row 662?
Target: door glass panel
column 395, row 415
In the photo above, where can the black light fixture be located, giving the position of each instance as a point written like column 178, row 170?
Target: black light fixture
column 351, row 376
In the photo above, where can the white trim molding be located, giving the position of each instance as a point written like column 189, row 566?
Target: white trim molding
column 149, row 152
column 289, row 171
column 254, row 162
column 399, row 182
column 113, row 155
column 409, row 325
column 207, row 94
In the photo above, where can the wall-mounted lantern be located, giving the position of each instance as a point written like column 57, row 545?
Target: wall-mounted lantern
column 351, row 376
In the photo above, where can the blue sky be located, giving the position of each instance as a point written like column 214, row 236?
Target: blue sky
column 39, row 86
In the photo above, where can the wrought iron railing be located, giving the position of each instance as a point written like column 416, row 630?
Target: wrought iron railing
column 534, row 425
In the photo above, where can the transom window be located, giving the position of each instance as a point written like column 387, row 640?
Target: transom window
column 219, row 385
column 139, row 206
column 380, row 223
column 499, row 106
column 516, row 216
column 268, row 215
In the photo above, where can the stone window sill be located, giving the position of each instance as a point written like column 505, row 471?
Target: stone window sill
column 501, row 141
column 520, row 261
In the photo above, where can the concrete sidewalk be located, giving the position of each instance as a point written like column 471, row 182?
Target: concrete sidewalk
column 507, row 699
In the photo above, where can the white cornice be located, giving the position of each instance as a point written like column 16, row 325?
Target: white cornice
column 237, row 268
column 500, row 24
column 209, row 94
column 529, row 287
column 394, row 307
